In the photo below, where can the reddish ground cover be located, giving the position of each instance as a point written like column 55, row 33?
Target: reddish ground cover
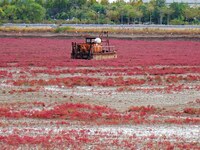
column 147, row 98
column 56, row 52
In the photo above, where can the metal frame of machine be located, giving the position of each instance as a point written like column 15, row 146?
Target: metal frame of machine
column 88, row 50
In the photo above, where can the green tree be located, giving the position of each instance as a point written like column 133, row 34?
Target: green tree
column 104, row 2
column 127, row 10
column 124, row 13
column 165, row 11
column 150, row 10
column 97, row 7
column 55, row 7
column 2, row 14
column 113, row 15
column 178, row 10
column 29, row 10
column 4, row 3
column 190, row 14
column 91, row 15
column 139, row 15
column 91, row 11
column 36, row 12
column 132, row 14
column 91, row 2
column 158, row 4
column 168, row 11
column 41, row 2
column 198, row 13
column 10, row 12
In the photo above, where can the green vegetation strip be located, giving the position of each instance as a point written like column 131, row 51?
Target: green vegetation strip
column 100, row 12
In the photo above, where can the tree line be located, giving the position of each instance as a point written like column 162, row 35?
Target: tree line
column 91, row 11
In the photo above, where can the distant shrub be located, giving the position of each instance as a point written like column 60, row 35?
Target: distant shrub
column 63, row 29
column 177, row 22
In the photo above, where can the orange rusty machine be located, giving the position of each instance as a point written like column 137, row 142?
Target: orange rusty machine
column 94, row 48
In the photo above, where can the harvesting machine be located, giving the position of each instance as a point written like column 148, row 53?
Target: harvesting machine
column 97, row 48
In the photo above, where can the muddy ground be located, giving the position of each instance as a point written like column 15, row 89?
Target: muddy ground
column 169, row 105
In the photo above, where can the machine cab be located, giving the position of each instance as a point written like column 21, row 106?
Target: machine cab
column 90, row 40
